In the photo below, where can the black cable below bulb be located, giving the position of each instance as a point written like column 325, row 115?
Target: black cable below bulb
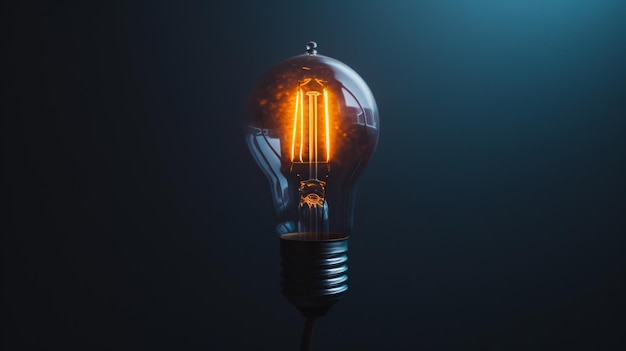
column 307, row 334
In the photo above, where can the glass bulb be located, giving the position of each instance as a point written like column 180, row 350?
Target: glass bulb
column 312, row 126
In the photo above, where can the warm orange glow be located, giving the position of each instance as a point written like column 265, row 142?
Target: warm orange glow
column 295, row 125
column 327, row 123
column 310, row 138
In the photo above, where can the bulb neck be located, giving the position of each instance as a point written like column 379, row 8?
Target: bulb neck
column 314, row 270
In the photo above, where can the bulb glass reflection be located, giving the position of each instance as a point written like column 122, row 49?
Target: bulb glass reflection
column 312, row 126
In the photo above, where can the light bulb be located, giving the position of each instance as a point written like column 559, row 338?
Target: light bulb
column 312, row 126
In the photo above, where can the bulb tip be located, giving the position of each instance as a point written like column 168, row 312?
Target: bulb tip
column 311, row 48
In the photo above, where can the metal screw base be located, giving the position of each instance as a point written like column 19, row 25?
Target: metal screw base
column 314, row 270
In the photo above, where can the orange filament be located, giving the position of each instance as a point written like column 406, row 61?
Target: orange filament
column 310, row 141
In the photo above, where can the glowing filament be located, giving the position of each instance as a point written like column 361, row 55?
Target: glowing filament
column 310, row 141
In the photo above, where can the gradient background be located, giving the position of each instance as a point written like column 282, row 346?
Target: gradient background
column 490, row 218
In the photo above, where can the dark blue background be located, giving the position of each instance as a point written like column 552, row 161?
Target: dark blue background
column 490, row 218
